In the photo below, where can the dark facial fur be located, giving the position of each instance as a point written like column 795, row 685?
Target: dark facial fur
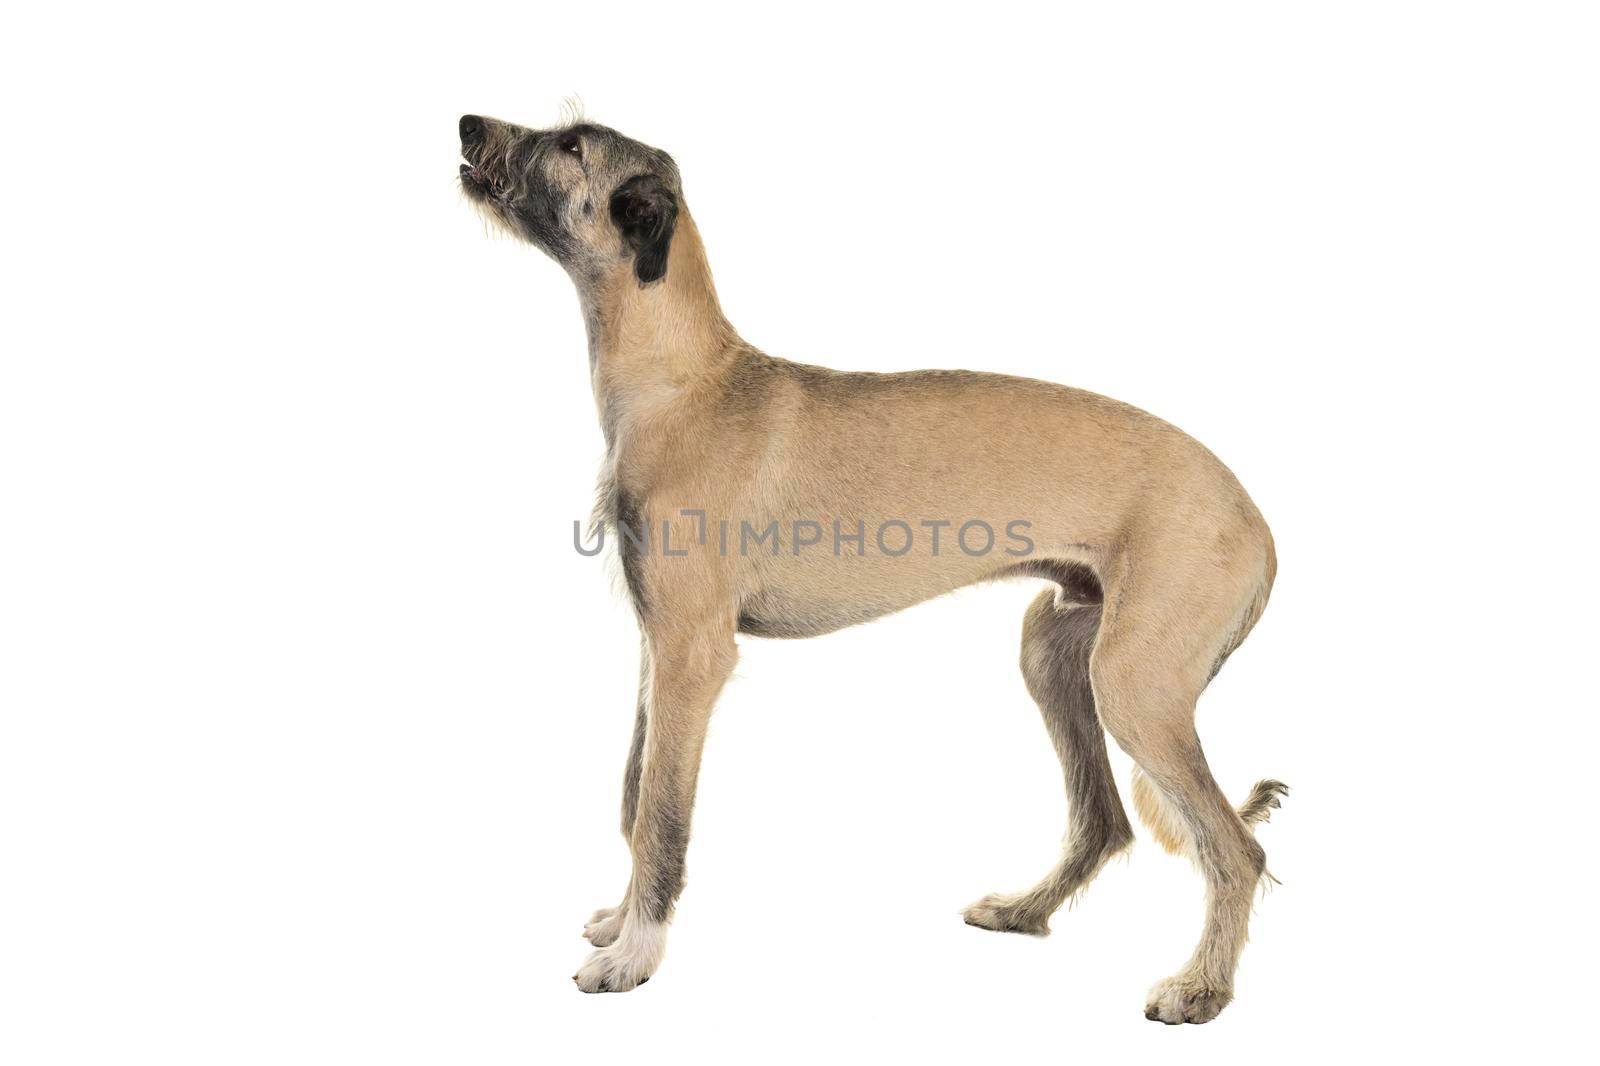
column 584, row 194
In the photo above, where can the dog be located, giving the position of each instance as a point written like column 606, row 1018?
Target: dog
column 867, row 493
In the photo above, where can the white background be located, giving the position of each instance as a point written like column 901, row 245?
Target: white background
column 314, row 723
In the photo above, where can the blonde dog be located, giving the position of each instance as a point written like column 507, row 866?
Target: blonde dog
column 864, row 494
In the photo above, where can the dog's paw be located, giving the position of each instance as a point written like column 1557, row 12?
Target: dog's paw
column 1185, row 998
column 1007, row 914
column 628, row 962
column 605, row 926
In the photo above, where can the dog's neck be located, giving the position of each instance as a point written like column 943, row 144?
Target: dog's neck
column 655, row 348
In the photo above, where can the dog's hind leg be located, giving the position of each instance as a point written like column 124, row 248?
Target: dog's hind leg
column 1056, row 642
column 1168, row 625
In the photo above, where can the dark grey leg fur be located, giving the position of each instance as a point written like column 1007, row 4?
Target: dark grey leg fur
column 1056, row 642
column 630, row 776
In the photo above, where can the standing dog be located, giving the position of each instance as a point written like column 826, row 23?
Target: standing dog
column 1161, row 563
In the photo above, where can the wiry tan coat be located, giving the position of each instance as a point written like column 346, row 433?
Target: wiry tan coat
column 1162, row 564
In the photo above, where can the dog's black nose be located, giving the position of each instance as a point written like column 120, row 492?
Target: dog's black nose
column 472, row 130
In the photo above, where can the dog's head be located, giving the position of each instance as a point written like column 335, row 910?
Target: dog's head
column 588, row 196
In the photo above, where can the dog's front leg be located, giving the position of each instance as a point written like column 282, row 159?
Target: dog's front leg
column 606, row 923
column 688, row 664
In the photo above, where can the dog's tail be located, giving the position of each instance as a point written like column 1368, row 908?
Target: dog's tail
column 1264, row 798
column 1161, row 816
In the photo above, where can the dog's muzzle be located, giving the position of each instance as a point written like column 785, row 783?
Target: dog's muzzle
column 474, row 135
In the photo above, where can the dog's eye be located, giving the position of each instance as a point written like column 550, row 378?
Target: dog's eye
column 570, row 143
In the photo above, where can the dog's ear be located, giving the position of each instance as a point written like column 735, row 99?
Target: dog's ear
column 646, row 212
